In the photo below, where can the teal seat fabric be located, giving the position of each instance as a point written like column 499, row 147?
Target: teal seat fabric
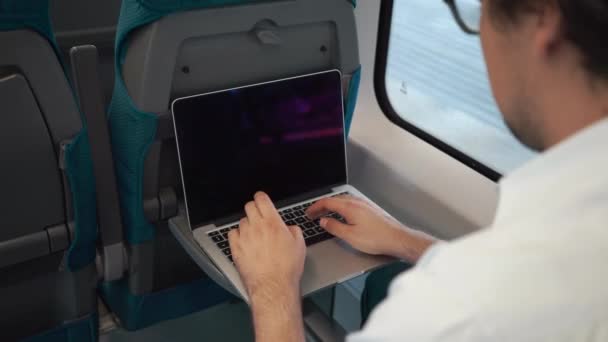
column 133, row 133
column 81, row 180
column 82, row 330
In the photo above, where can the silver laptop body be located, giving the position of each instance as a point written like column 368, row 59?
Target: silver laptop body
column 329, row 260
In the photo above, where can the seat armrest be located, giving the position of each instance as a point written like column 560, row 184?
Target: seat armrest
column 88, row 88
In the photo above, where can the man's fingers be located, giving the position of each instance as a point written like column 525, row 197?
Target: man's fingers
column 233, row 234
column 324, row 206
column 336, row 228
column 253, row 214
column 265, row 205
column 296, row 232
column 315, row 212
column 233, row 239
column 243, row 226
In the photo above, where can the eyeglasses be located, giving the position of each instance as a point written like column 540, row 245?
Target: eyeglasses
column 467, row 14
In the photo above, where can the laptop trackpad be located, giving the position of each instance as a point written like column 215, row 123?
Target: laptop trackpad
column 334, row 261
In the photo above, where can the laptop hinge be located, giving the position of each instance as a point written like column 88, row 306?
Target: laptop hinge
column 278, row 204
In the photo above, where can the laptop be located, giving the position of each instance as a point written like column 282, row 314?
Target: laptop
column 286, row 138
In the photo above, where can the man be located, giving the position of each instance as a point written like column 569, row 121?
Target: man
column 540, row 272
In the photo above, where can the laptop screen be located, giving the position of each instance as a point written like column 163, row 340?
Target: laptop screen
column 285, row 138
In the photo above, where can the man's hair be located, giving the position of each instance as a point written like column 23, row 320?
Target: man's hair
column 585, row 25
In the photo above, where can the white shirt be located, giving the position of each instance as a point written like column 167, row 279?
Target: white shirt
column 539, row 273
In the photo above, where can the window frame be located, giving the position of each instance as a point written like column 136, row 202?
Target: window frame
column 382, row 47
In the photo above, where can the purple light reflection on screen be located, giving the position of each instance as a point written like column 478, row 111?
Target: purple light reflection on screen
column 305, row 135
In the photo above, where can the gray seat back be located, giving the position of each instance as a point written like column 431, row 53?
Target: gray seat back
column 210, row 49
column 38, row 289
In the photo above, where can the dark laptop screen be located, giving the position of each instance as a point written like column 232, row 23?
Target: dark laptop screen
column 284, row 137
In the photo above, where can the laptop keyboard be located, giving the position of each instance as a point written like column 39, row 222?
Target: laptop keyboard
column 295, row 216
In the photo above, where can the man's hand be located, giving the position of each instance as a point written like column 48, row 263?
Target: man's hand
column 369, row 229
column 267, row 253
column 270, row 258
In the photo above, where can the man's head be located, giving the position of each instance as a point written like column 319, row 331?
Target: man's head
column 548, row 65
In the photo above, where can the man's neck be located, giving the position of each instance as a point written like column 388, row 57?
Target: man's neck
column 571, row 108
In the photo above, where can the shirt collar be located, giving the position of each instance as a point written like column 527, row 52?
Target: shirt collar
column 563, row 173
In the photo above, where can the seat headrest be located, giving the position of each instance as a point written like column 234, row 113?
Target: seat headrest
column 136, row 13
column 184, row 5
column 27, row 14
column 172, row 5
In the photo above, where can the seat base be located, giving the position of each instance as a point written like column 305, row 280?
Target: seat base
column 137, row 312
column 82, row 330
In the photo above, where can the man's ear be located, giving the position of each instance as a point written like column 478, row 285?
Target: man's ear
column 548, row 27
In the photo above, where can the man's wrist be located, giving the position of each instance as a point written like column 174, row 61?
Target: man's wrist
column 274, row 291
column 411, row 244
column 277, row 313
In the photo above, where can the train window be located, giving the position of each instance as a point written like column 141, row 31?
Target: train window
column 431, row 80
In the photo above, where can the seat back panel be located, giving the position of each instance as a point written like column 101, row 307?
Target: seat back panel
column 227, row 60
column 151, row 57
column 30, row 171
column 37, row 60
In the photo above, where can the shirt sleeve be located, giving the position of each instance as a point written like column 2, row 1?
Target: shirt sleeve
column 420, row 308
